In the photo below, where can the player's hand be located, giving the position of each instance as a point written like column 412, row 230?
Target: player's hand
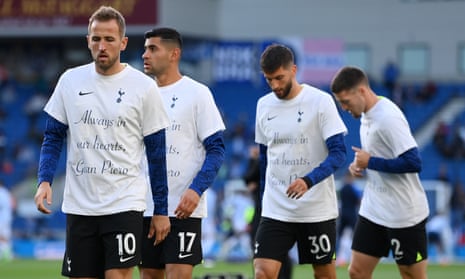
column 361, row 157
column 297, row 189
column 355, row 170
column 187, row 204
column 44, row 192
column 160, row 226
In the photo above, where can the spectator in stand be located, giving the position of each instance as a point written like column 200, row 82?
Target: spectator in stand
column 398, row 96
column 443, row 173
column 427, row 92
column 457, row 206
column 409, row 93
column 3, row 114
column 440, row 138
column 3, row 145
column 33, row 107
column 450, row 140
column 457, row 147
column 238, row 141
column 390, row 76
column 4, row 76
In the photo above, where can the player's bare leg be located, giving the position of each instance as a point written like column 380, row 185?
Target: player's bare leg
column 119, row 273
column 266, row 268
column 325, row 271
column 362, row 265
column 152, row 273
column 414, row 271
column 179, row 271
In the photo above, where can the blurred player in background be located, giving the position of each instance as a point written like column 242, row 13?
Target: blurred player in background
column 349, row 200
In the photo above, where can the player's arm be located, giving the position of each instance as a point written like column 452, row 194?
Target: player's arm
column 335, row 159
column 54, row 135
column 214, row 157
column 155, row 148
column 408, row 161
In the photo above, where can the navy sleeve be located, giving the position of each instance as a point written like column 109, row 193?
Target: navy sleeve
column 335, row 159
column 409, row 161
column 214, row 157
column 155, row 148
column 263, row 164
column 54, row 136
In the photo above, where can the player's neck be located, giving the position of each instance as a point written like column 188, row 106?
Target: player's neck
column 116, row 68
column 372, row 99
column 295, row 91
column 168, row 78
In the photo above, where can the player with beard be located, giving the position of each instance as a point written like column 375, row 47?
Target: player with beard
column 301, row 138
column 112, row 118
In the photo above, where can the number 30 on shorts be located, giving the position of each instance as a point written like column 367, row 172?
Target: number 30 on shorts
column 320, row 244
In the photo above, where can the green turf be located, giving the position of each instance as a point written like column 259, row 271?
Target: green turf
column 43, row 269
column 383, row 271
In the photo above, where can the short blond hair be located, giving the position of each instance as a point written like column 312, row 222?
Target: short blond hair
column 106, row 13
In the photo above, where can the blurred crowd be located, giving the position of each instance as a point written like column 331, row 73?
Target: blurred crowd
column 449, row 139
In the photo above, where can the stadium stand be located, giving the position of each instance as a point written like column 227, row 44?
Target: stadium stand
column 20, row 138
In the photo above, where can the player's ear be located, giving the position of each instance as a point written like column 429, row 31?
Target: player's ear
column 88, row 41
column 124, row 43
column 294, row 69
column 176, row 53
column 363, row 89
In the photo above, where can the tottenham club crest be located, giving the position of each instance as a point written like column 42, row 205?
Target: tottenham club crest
column 120, row 93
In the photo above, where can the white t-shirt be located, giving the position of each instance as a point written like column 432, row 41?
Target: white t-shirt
column 108, row 117
column 194, row 117
column 390, row 199
column 295, row 132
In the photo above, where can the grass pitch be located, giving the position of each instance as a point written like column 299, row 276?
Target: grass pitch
column 50, row 269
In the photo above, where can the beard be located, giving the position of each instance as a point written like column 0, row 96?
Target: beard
column 105, row 64
column 155, row 70
column 284, row 93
